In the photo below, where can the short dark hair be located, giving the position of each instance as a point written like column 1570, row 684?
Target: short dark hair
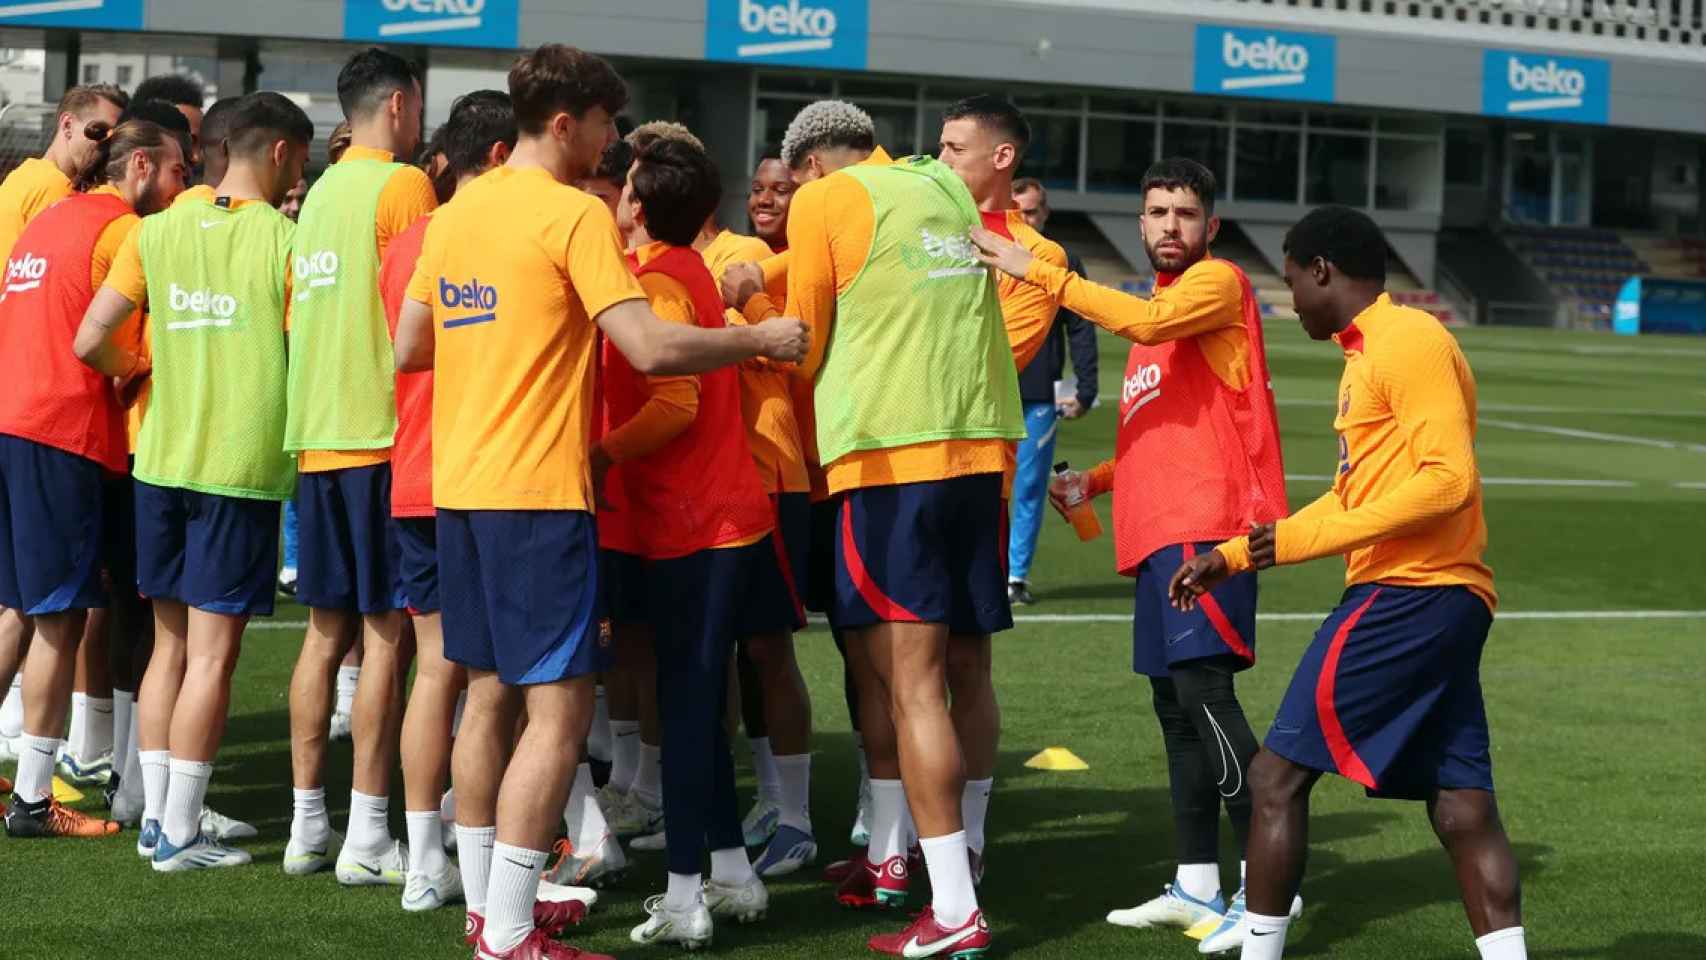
column 216, row 120
column 1027, row 184
column 557, row 78
column 1181, row 173
column 161, row 114
column 1346, row 238
column 371, row 76
column 477, row 120
column 262, row 119
column 996, row 114
column 678, row 187
column 174, row 88
column 614, row 163
column 770, row 151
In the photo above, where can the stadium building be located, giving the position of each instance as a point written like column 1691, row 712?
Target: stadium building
column 1525, row 158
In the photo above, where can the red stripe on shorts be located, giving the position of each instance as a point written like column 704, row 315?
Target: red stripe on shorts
column 782, row 560
column 1217, row 618
column 1344, row 755
column 880, row 603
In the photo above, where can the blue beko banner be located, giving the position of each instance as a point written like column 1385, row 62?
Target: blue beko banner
column 1253, row 62
column 108, row 14
column 460, row 23
column 1545, row 87
column 800, row 33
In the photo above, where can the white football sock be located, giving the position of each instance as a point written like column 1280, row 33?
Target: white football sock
column 156, row 776
column 36, row 755
column 78, row 722
column 583, row 818
column 598, row 740
column 510, row 893
column 348, row 679
column 974, row 810
column 764, row 767
column 184, row 796
column 1506, row 944
column 648, row 780
column 368, row 831
column 474, row 859
column 1266, row 937
column 1199, row 881
column 888, row 821
column 731, row 867
column 426, row 842
column 124, row 703
column 309, row 822
column 683, row 892
column 12, row 709
column 97, row 730
column 952, row 896
column 795, row 776
column 447, row 808
column 624, row 754
column 130, row 779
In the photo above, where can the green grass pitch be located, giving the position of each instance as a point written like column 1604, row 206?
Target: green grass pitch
column 1595, row 722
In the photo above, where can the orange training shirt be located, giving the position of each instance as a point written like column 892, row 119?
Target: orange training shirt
column 407, row 196
column 30, row 188
column 671, row 402
column 831, row 224
column 1405, row 507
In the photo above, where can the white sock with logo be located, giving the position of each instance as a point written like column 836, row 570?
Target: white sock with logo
column 474, row 859
column 974, row 810
column 348, row 679
column 36, row 755
column 1506, row 944
column 953, row 898
column 426, row 842
column 156, row 777
column 185, row 793
column 648, row 779
column 1266, row 937
column 510, row 892
column 888, row 822
column 624, row 754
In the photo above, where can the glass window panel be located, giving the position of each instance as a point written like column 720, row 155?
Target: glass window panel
column 857, row 88
column 1052, row 156
column 1406, row 175
column 1120, row 150
column 795, row 83
column 1140, row 106
column 1200, row 142
column 91, row 73
column 1530, row 199
column 1267, row 164
column 1046, row 100
column 1271, row 115
column 897, row 127
column 1409, row 123
column 1195, row 109
column 1465, row 157
column 1337, row 170
column 949, row 92
column 1339, row 120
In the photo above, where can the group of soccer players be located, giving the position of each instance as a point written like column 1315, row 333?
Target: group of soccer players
column 583, row 458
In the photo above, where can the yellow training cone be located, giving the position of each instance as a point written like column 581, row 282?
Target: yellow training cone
column 65, row 792
column 1056, row 758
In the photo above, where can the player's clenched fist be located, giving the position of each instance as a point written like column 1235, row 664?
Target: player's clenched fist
column 783, row 338
column 741, row 281
column 1195, row 577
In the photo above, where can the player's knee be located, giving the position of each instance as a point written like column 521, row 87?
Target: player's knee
column 1461, row 814
column 1275, row 781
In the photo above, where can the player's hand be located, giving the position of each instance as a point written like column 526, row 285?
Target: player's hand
column 1066, row 486
column 1262, row 545
column 127, row 389
column 783, row 338
column 1001, row 253
column 1070, row 409
column 1195, row 577
column 741, row 281
column 600, row 464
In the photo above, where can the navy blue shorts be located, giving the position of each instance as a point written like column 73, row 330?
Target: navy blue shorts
column 52, row 540
column 347, row 554
column 520, row 593
column 776, row 597
column 929, row 552
column 1389, row 693
column 1223, row 622
column 210, row 552
column 820, row 555
column 417, row 562
column 623, row 582
column 703, row 600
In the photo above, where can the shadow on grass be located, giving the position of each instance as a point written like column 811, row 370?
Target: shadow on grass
column 1636, row 946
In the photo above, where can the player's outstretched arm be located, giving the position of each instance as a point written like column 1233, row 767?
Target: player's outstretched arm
column 415, row 343
column 656, row 347
column 1008, row 256
column 94, row 341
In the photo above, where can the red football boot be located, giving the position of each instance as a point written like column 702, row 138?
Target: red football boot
column 924, row 937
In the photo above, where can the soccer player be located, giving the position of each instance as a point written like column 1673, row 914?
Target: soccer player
column 478, row 136
column 513, row 477
column 682, row 471
column 61, row 426
column 342, row 418
column 774, row 701
column 210, row 464
column 1388, row 694
column 1197, row 458
column 883, row 274
column 188, row 96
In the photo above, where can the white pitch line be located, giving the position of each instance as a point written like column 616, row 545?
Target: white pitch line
column 1530, row 408
column 1575, row 434
column 1497, row 481
column 1267, row 617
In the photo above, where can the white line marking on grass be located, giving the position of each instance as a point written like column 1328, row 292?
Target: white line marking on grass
column 1535, row 408
column 1689, row 485
column 1497, row 481
column 1595, row 435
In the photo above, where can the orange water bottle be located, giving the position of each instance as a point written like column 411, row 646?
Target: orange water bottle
column 1079, row 510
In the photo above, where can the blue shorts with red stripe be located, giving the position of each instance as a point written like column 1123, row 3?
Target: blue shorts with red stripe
column 1223, row 621
column 777, row 597
column 417, row 562
column 931, row 552
column 1389, row 693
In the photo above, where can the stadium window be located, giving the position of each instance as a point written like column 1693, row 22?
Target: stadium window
column 1337, row 170
column 897, row 126
column 1119, row 150
column 1194, row 109
column 1205, row 143
column 1406, row 174
column 861, row 89
column 91, row 73
column 1054, row 151
column 808, row 83
column 1465, row 157
column 1125, row 106
column 1339, row 120
column 125, row 71
column 1265, row 163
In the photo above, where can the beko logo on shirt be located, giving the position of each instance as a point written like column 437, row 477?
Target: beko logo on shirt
column 24, row 273
column 1543, row 85
column 207, row 308
column 956, row 248
column 317, row 269
column 472, row 295
column 1141, row 387
column 806, row 32
column 1264, row 63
